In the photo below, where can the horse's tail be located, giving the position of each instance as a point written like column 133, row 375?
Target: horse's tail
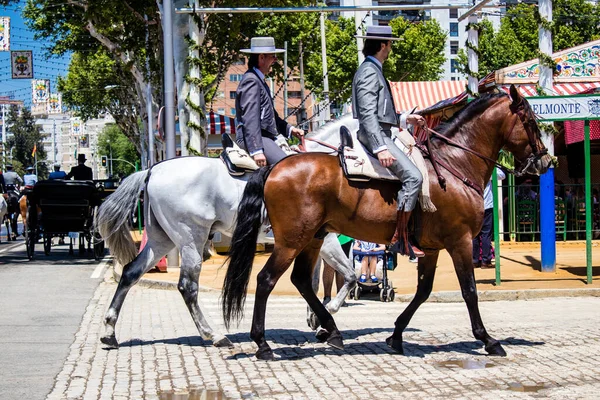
column 243, row 246
column 113, row 219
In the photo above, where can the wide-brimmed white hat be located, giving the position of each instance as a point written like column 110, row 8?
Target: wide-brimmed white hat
column 379, row 33
column 262, row 45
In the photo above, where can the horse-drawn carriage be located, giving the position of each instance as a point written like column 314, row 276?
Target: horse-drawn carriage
column 66, row 209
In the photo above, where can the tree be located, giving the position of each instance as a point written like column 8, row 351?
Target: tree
column 26, row 136
column 574, row 22
column 113, row 143
column 419, row 56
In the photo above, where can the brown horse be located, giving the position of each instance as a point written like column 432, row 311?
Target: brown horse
column 308, row 195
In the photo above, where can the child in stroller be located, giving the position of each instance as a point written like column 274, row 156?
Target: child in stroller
column 368, row 262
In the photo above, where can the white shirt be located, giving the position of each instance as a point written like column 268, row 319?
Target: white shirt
column 30, row 179
column 488, row 196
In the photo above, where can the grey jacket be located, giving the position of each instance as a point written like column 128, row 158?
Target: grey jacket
column 256, row 116
column 372, row 105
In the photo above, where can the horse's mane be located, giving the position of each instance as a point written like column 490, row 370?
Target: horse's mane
column 466, row 114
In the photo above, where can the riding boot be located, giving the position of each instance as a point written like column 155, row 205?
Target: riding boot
column 400, row 242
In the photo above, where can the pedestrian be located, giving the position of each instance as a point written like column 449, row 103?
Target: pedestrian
column 368, row 266
column 258, row 122
column 482, row 244
column 30, row 178
column 81, row 172
column 373, row 106
column 57, row 173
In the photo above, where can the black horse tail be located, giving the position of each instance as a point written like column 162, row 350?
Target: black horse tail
column 243, row 246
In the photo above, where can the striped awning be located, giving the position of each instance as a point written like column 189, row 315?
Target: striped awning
column 217, row 124
column 560, row 89
column 408, row 95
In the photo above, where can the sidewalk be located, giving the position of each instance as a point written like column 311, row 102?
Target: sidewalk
column 520, row 271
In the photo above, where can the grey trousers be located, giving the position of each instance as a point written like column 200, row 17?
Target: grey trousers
column 407, row 172
column 272, row 152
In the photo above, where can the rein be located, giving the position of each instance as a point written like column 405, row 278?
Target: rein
column 322, row 143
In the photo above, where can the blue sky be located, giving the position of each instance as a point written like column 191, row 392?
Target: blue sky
column 22, row 39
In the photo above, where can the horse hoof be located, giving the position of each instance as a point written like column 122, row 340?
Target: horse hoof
column 110, row 341
column 313, row 321
column 322, row 335
column 224, row 342
column 326, row 300
column 265, row 354
column 495, row 349
column 335, row 340
column 395, row 344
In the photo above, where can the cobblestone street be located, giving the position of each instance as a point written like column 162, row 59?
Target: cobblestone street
column 553, row 348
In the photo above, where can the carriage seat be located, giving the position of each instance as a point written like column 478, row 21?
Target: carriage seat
column 236, row 159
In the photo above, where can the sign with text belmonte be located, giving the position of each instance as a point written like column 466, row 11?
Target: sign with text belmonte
column 565, row 108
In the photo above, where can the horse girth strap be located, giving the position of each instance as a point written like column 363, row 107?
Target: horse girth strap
column 442, row 181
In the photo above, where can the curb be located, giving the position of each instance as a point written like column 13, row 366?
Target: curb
column 435, row 297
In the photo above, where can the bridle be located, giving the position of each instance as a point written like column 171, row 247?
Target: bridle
column 528, row 122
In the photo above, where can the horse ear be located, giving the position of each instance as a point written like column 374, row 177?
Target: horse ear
column 515, row 95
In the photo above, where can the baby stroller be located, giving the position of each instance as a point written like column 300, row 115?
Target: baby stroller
column 384, row 285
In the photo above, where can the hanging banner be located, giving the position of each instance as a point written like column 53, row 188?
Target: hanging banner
column 55, row 103
column 40, row 90
column 76, row 126
column 4, row 33
column 565, row 108
column 22, row 64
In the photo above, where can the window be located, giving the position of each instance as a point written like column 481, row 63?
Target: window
column 235, row 77
column 453, row 12
column 453, row 47
column 240, row 61
column 452, row 78
column 220, row 94
column 220, row 111
column 294, row 94
column 454, row 29
column 232, row 94
column 453, row 65
column 233, row 112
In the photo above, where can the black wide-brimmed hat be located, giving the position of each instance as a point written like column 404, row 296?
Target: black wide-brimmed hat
column 81, row 157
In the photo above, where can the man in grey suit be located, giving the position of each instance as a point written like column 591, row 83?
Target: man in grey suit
column 258, row 124
column 373, row 106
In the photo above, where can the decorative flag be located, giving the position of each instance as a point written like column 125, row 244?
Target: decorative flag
column 34, row 150
column 40, row 90
column 55, row 103
column 22, row 64
column 76, row 126
column 4, row 33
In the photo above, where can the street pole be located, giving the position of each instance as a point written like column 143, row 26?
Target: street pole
column 4, row 135
column 54, row 142
column 285, row 78
column 169, row 80
column 324, row 112
column 111, row 168
column 547, row 216
column 302, row 112
column 473, row 58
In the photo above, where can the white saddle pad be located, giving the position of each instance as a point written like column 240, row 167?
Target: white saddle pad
column 240, row 158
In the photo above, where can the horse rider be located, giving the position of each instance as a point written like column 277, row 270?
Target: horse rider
column 30, row 178
column 373, row 106
column 12, row 182
column 258, row 121
column 81, row 172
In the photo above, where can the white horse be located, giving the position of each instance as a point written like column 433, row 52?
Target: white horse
column 186, row 201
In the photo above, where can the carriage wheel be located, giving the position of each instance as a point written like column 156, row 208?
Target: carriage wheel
column 47, row 243
column 382, row 295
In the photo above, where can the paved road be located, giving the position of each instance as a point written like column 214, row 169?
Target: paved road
column 553, row 350
column 42, row 302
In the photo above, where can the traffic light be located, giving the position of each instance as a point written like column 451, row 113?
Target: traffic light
column 104, row 161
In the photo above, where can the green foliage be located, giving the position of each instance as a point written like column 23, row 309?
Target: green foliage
column 25, row 135
column 420, row 55
column 112, row 141
column 574, row 22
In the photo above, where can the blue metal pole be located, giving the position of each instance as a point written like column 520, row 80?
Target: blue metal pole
column 547, row 221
